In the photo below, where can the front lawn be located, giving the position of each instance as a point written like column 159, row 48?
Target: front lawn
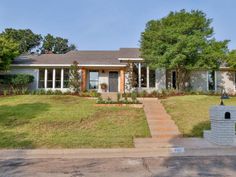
column 191, row 113
column 43, row 121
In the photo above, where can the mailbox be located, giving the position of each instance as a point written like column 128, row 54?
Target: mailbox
column 223, row 120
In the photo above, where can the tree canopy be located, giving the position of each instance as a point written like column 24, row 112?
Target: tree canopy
column 9, row 49
column 56, row 45
column 231, row 59
column 26, row 39
column 182, row 41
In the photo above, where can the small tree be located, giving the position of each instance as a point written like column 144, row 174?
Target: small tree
column 8, row 51
column 75, row 77
column 130, row 77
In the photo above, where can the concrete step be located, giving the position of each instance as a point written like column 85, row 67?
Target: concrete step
column 165, row 128
column 155, row 145
column 170, row 136
column 165, row 133
column 155, row 140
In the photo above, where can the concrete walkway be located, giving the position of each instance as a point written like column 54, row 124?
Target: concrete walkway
column 113, row 153
column 162, row 127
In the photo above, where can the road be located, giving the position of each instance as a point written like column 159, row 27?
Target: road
column 120, row 167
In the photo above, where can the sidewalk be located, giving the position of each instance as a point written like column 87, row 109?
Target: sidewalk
column 112, row 153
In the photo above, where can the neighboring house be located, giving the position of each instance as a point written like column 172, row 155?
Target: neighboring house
column 51, row 71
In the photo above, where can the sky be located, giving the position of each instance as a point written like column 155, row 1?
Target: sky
column 109, row 24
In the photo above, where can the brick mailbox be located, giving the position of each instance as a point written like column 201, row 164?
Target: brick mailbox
column 223, row 120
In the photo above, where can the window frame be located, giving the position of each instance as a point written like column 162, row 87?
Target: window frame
column 94, row 80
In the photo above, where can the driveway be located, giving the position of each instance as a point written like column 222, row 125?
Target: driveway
column 120, row 167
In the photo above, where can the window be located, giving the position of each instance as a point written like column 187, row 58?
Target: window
column 174, row 78
column 211, row 80
column 49, row 81
column 135, row 75
column 41, row 78
column 152, row 78
column 58, row 78
column 93, row 79
column 66, row 78
column 143, row 75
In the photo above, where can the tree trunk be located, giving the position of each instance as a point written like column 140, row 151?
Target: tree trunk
column 182, row 79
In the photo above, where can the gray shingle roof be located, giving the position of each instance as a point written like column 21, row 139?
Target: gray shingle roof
column 81, row 56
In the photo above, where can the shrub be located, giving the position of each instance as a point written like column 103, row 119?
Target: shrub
column 143, row 93
column 118, row 97
column 49, row 92
column 134, row 96
column 58, row 92
column 154, row 93
column 5, row 92
column 18, row 83
column 94, row 93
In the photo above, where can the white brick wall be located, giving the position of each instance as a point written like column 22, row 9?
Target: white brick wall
column 222, row 130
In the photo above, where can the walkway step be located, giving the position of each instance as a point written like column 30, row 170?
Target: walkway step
column 163, row 129
column 154, row 140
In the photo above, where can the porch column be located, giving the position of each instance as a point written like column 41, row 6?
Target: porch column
column 84, row 79
column 139, row 75
column 122, row 80
column 148, row 77
column 45, row 78
column 62, row 78
column 53, row 78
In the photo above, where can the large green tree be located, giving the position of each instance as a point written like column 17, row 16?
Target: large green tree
column 26, row 39
column 56, row 45
column 9, row 49
column 231, row 59
column 182, row 41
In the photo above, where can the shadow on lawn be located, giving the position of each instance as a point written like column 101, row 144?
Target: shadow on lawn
column 198, row 129
column 12, row 117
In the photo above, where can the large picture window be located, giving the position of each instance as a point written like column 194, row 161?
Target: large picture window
column 41, row 78
column 211, row 80
column 93, row 79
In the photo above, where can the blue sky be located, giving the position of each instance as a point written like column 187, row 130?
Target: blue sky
column 109, row 24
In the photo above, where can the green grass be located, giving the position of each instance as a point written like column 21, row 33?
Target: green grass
column 43, row 121
column 191, row 113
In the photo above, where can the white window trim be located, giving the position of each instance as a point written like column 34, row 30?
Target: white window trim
column 62, row 78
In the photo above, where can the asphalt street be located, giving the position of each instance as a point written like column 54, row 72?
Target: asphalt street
column 120, row 167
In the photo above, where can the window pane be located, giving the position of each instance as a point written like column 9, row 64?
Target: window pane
column 49, row 81
column 143, row 75
column 93, row 79
column 58, row 78
column 211, row 80
column 152, row 78
column 66, row 78
column 135, row 75
column 41, row 78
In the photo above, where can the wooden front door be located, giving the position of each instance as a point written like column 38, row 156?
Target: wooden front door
column 113, row 81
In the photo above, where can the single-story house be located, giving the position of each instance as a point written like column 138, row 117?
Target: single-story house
column 51, row 71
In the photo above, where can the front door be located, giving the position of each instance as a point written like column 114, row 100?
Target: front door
column 113, row 81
